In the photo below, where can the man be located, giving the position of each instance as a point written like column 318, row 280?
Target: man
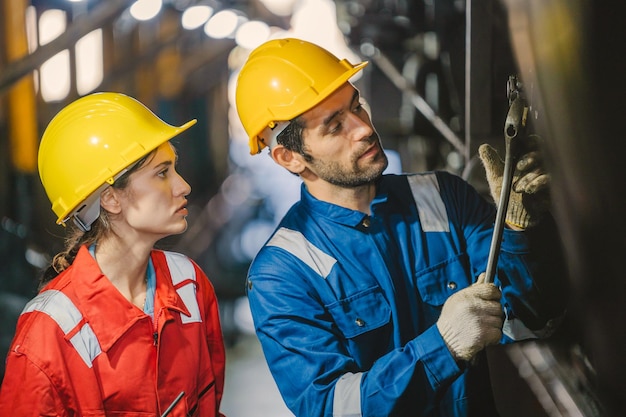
column 368, row 299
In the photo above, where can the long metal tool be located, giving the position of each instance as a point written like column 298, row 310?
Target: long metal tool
column 514, row 130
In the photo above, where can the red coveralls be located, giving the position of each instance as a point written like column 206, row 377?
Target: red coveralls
column 81, row 349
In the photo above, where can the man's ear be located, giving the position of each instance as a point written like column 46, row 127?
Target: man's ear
column 109, row 201
column 290, row 160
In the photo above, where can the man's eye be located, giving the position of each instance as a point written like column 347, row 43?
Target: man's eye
column 336, row 128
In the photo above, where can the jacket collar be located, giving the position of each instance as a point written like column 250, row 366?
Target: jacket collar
column 108, row 313
column 338, row 214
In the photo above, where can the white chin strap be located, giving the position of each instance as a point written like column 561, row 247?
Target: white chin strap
column 270, row 134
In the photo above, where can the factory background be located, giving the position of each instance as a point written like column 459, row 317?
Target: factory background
column 437, row 86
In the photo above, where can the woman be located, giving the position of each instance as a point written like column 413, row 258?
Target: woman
column 119, row 328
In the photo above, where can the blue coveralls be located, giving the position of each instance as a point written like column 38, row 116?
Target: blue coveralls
column 345, row 304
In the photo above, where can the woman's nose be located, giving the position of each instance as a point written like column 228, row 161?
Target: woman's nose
column 182, row 187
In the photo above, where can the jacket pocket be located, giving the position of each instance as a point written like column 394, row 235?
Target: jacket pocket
column 206, row 404
column 360, row 313
column 440, row 281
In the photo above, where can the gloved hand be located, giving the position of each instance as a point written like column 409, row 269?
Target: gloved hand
column 529, row 199
column 471, row 319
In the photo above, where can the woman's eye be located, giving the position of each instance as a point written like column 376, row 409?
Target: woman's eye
column 163, row 173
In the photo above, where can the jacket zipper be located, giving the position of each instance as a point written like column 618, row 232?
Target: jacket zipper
column 155, row 326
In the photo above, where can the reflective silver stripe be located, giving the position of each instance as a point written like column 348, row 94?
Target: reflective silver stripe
column 347, row 399
column 181, row 269
column 517, row 330
column 432, row 211
column 63, row 311
column 86, row 344
column 296, row 244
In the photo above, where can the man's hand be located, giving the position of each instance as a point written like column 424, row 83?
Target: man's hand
column 471, row 319
column 530, row 197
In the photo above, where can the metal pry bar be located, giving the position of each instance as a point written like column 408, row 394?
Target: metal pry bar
column 514, row 129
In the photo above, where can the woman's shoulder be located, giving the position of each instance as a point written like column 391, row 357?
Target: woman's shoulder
column 180, row 266
column 50, row 313
column 171, row 258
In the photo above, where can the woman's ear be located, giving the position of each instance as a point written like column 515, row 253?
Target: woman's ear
column 288, row 159
column 109, row 200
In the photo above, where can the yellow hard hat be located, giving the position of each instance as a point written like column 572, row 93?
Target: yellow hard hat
column 90, row 143
column 282, row 79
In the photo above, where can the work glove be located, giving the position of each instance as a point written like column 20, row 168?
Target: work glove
column 471, row 319
column 529, row 199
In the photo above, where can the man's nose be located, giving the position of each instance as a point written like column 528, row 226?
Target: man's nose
column 361, row 129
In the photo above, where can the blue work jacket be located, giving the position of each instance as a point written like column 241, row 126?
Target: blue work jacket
column 345, row 303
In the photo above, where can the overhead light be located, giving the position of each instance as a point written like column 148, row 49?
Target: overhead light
column 311, row 15
column 145, row 9
column 223, row 24
column 279, row 7
column 252, row 34
column 196, row 16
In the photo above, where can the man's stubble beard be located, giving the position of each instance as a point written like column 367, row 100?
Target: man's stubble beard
column 334, row 173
